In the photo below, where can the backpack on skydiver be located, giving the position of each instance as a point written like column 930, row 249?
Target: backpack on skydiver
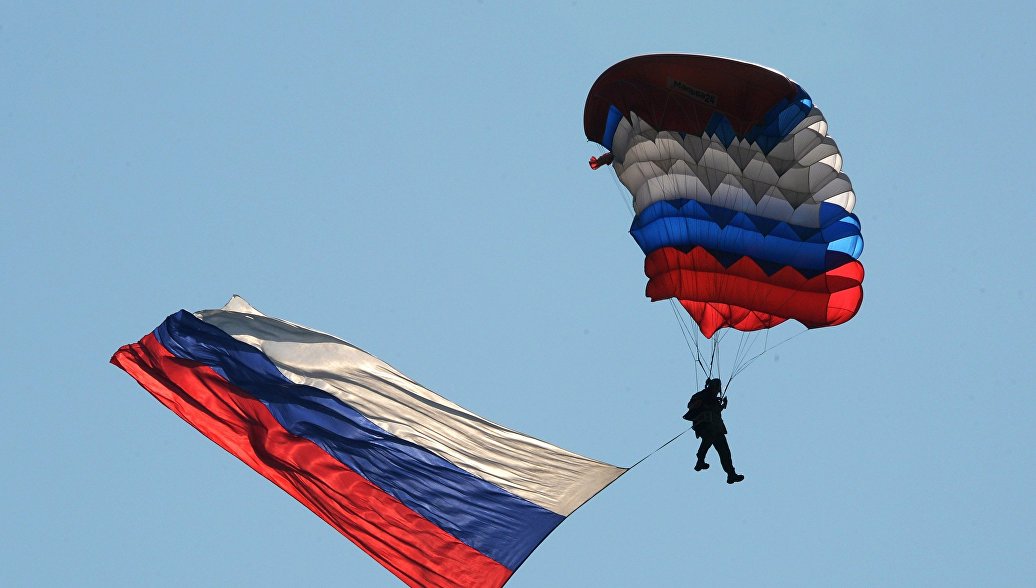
column 695, row 406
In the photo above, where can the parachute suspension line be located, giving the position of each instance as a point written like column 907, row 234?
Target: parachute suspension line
column 742, row 341
column 707, row 371
column 715, row 350
column 747, row 343
column 737, row 358
column 690, row 335
column 748, row 340
column 622, row 192
column 765, row 350
column 749, row 361
column 690, row 338
column 717, row 341
column 721, row 336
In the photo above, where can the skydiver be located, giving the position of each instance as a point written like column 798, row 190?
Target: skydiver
column 704, row 410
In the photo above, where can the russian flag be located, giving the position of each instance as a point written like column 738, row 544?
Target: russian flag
column 435, row 493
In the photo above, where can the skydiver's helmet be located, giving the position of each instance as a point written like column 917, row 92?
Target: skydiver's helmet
column 713, row 385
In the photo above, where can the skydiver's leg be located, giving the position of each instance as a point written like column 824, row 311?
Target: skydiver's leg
column 720, row 443
column 706, row 442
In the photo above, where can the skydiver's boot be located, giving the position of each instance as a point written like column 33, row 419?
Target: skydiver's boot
column 734, row 478
column 701, row 465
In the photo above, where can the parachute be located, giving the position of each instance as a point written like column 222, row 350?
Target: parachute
column 739, row 199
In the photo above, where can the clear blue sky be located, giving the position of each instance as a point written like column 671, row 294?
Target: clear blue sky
column 413, row 179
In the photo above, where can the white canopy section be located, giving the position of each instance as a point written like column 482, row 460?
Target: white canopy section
column 788, row 184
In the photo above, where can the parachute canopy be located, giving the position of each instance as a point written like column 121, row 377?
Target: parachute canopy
column 740, row 203
column 436, row 494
